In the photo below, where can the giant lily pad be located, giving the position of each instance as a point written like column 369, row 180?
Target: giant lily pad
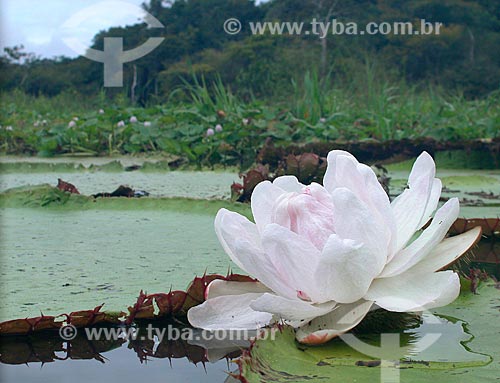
column 206, row 184
column 81, row 253
column 466, row 352
column 147, row 307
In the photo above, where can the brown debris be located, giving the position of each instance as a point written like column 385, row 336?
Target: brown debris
column 490, row 226
column 476, row 276
column 67, row 187
column 176, row 303
column 371, row 151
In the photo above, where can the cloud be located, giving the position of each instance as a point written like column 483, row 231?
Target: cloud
column 39, row 28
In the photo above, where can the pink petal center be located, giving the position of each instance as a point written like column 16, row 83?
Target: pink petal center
column 308, row 214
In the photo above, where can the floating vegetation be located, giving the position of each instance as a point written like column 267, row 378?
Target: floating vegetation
column 466, row 349
column 148, row 306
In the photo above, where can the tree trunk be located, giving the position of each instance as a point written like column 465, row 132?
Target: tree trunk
column 471, row 48
column 134, row 85
column 324, row 47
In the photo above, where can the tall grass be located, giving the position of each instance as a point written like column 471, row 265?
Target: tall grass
column 42, row 105
column 372, row 106
column 369, row 107
column 208, row 98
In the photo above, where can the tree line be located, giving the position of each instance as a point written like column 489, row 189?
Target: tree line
column 463, row 57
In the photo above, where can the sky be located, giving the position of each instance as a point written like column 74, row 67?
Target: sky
column 43, row 25
column 39, row 25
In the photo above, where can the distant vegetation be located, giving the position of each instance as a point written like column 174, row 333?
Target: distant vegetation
column 218, row 127
column 463, row 58
column 289, row 88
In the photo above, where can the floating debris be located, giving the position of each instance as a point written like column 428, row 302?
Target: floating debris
column 123, row 191
column 66, row 186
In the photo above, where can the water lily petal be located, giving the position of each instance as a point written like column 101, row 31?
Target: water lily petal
column 228, row 312
column 343, row 318
column 291, row 309
column 289, row 184
column 421, row 167
column 330, row 179
column 219, row 287
column 346, row 269
column 411, row 208
column 415, row 292
column 320, row 193
column 426, row 242
column 308, row 214
column 447, row 252
column 355, row 220
column 295, row 259
column 241, row 241
column 266, row 194
column 344, row 171
column 264, row 198
column 432, row 202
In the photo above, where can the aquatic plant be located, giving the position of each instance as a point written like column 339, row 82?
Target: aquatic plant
column 175, row 303
column 325, row 255
column 321, row 114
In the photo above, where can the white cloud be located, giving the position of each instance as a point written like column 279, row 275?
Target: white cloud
column 38, row 24
column 38, row 28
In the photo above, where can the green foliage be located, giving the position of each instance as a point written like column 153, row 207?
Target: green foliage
column 320, row 111
column 209, row 99
column 462, row 57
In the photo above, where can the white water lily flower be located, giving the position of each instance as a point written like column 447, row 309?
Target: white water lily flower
column 324, row 255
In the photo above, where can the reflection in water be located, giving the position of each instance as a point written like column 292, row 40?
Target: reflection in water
column 184, row 359
column 49, row 347
column 188, row 360
column 448, row 346
column 433, row 341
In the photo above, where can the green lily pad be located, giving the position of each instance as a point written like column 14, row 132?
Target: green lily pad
column 466, row 351
column 199, row 184
column 80, row 252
